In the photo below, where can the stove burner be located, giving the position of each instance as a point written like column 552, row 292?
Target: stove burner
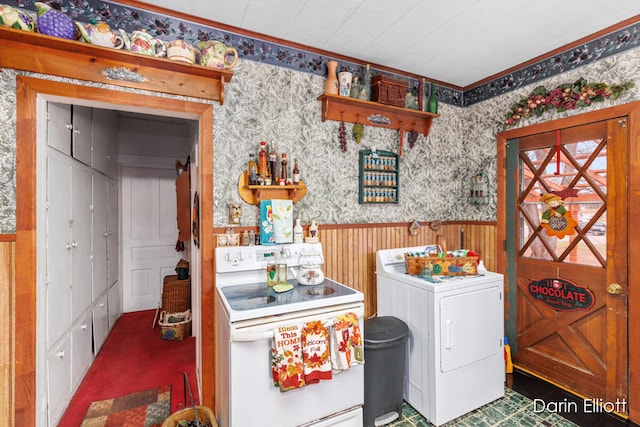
column 261, row 299
column 319, row 291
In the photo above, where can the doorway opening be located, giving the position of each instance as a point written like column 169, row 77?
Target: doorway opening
column 588, row 161
column 33, row 95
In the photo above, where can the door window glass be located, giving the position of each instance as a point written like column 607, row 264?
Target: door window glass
column 582, row 167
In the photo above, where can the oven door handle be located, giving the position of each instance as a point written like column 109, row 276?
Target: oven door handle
column 251, row 336
column 263, row 335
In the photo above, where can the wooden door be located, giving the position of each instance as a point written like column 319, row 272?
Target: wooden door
column 149, row 235
column 573, row 333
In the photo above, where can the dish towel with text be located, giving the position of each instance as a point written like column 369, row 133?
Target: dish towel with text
column 346, row 343
column 316, row 354
column 286, row 358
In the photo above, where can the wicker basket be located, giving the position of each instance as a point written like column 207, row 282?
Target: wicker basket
column 386, row 90
column 205, row 415
column 176, row 294
column 441, row 265
column 172, row 330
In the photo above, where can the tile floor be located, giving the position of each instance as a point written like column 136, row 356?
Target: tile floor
column 516, row 409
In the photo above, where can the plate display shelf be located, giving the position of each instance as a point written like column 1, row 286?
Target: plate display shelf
column 39, row 53
column 352, row 110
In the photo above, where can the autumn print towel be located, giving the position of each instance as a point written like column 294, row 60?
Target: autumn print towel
column 346, row 343
column 286, row 358
column 316, row 355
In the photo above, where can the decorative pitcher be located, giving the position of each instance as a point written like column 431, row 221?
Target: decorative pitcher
column 11, row 17
column 144, row 43
column 216, row 54
column 100, row 34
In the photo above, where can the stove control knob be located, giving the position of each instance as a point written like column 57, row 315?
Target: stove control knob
column 240, row 257
column 286, row 253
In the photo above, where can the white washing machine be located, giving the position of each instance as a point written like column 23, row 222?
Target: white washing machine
column 455, row 359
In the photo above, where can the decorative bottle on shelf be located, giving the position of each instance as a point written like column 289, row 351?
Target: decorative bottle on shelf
column 283, row 170
column 272, row 272
column 356, row 87
column 432, row 105
column 298, row 232
column 252, row 170
column 273, row 164
column 332, row 86
column 262, row 163
column 296, row 172
column 366, row 85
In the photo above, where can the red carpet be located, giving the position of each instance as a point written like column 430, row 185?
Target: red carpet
column 132, row 359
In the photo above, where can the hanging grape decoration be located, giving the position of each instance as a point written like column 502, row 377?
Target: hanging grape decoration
column 358, row 131
column 342, row 137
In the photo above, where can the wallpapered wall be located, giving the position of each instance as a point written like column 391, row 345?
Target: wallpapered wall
column 264, row 102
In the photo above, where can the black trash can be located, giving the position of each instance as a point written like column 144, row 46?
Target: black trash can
column 385, row 344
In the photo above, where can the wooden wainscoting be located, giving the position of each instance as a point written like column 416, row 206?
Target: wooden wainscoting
column 7, row 337
column 350, row 249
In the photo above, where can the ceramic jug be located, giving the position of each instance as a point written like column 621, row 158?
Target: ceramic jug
column 179, row 50
column 100, row 34
column 144, row 43
column 11, row 17
column 344, row 79
column 216, row 54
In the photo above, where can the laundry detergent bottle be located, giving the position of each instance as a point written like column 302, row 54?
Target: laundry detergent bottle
column 507, row 357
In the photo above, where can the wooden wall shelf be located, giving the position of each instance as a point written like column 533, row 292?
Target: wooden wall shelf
column 252, row 194
column 351, row 110
column 39, row 53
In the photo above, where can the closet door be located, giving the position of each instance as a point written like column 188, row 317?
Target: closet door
column 81, row 134
column 100, row 322
column 104, row 127
column 58, row 226
column 80, row 239
column 115, row 305
column 81, row 349
column 113, row 234
column 59, row 127
column 100, row 235
column 58, row 380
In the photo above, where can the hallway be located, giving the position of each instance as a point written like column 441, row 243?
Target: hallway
column 134, row 358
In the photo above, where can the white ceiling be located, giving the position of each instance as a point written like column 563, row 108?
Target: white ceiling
column 458, row 42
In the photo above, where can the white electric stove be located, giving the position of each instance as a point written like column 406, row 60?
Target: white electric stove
column 247, row 312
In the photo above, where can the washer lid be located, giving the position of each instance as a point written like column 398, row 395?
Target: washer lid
column 384, row 331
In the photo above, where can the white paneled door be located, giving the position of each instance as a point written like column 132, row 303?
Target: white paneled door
column 149, row 235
